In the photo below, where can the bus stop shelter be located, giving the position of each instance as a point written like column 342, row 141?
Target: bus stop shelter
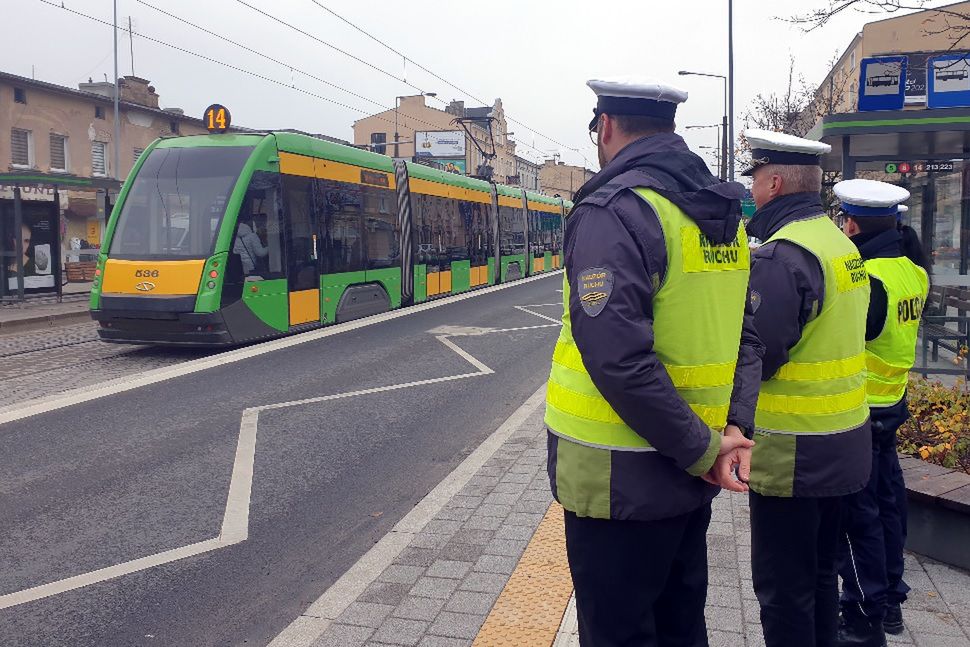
column 928, row 153
column 35, row 256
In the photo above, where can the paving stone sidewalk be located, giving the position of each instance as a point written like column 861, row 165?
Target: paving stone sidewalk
column 439, row 590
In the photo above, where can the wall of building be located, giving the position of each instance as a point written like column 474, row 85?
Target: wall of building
column 528, row 174
column 562, row 179
column 923, row 31
column 415, row 115
column 83, row 118
column 74, row 116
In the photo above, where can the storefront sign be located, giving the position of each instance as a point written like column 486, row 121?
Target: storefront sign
column 34, row 193
column 882, row 83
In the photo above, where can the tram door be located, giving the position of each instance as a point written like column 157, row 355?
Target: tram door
column 302, row 272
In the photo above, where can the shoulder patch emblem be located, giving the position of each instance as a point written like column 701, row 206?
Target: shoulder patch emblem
column 755, row 302
column 594, row 287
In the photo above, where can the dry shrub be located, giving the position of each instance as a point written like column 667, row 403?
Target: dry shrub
column 939, row 429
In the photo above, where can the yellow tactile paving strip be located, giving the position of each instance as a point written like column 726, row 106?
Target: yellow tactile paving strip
column 531, row 606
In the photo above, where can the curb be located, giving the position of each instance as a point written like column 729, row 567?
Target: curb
column 323, row 612
column 44, row 321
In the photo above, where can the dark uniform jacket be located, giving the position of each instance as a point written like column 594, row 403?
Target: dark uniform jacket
column 786, row 291
column 611, row 227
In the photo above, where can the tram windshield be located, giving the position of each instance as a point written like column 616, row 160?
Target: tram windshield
column 177, row 202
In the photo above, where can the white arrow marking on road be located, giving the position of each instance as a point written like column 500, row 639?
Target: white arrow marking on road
column 235, row 522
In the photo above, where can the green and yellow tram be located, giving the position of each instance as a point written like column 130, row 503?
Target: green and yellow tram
column 231, row 238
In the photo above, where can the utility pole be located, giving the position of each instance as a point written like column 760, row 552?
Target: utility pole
column 117, row 142
column 731, row 88
column 131, row 45
column 722, row 165
column 396, row 136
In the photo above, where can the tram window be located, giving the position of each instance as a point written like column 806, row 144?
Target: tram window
column 547, row 221
column 464, row 239
column 479, row 242
column 422, row 225
column 512, row 231
column 301, row 244
column 380, row 223
column 176, row 203
column 437, row 217
column 454, row 243
column 338, row 210
column 256, row 252
column 534, row 244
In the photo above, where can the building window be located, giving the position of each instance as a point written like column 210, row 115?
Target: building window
column 58, row 153
column 99, row 159
column 137, row 153
column 99, row 112
column 852, row 60
column 377, row 141
column 19, row 95
column 173, row 126
column 21, row 148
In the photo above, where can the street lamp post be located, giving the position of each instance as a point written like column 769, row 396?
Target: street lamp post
column 717, row 153
column 719, row 141
column 725, row 158
column 731, row 82
column 117, row 124
column 397, row 101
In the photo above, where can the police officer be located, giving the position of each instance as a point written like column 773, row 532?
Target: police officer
column 808, row 298
column 874, row 520
column 656, row 271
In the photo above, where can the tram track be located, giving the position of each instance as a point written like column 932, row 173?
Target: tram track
column 33, row 365
column 28, row 351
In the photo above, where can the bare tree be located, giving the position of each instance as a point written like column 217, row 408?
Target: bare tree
column 952, row 22
column 795, row 111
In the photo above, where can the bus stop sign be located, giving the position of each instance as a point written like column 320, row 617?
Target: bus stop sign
column 948, row 81
column 882, row 83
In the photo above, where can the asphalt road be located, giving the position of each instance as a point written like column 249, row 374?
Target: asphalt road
column 148, row 470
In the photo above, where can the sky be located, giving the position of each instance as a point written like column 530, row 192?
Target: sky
column 536, row 55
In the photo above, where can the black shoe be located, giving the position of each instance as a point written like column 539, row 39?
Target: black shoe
column 858, row 631
column 893, row 622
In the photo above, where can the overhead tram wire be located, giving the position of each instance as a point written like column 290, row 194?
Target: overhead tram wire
column 269, row 79
column 237, row 68
column 392, row 49
column 281, row 63
column 440, row 78
column 304, row 72
column 260, row 54
column 331, row 46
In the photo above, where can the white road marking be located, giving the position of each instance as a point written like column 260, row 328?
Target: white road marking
column 541, row 316
column 303, row 631
column 29, row 408
column 460, row 331
column 110, row 572
column 235, row 522
column 549, row 325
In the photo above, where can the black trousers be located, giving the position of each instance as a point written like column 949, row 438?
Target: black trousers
column 640, row 583
column 874, row 534
column 794, row 565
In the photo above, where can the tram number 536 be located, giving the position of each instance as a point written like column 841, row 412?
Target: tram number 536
column 146, row 274
column 217, row 118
